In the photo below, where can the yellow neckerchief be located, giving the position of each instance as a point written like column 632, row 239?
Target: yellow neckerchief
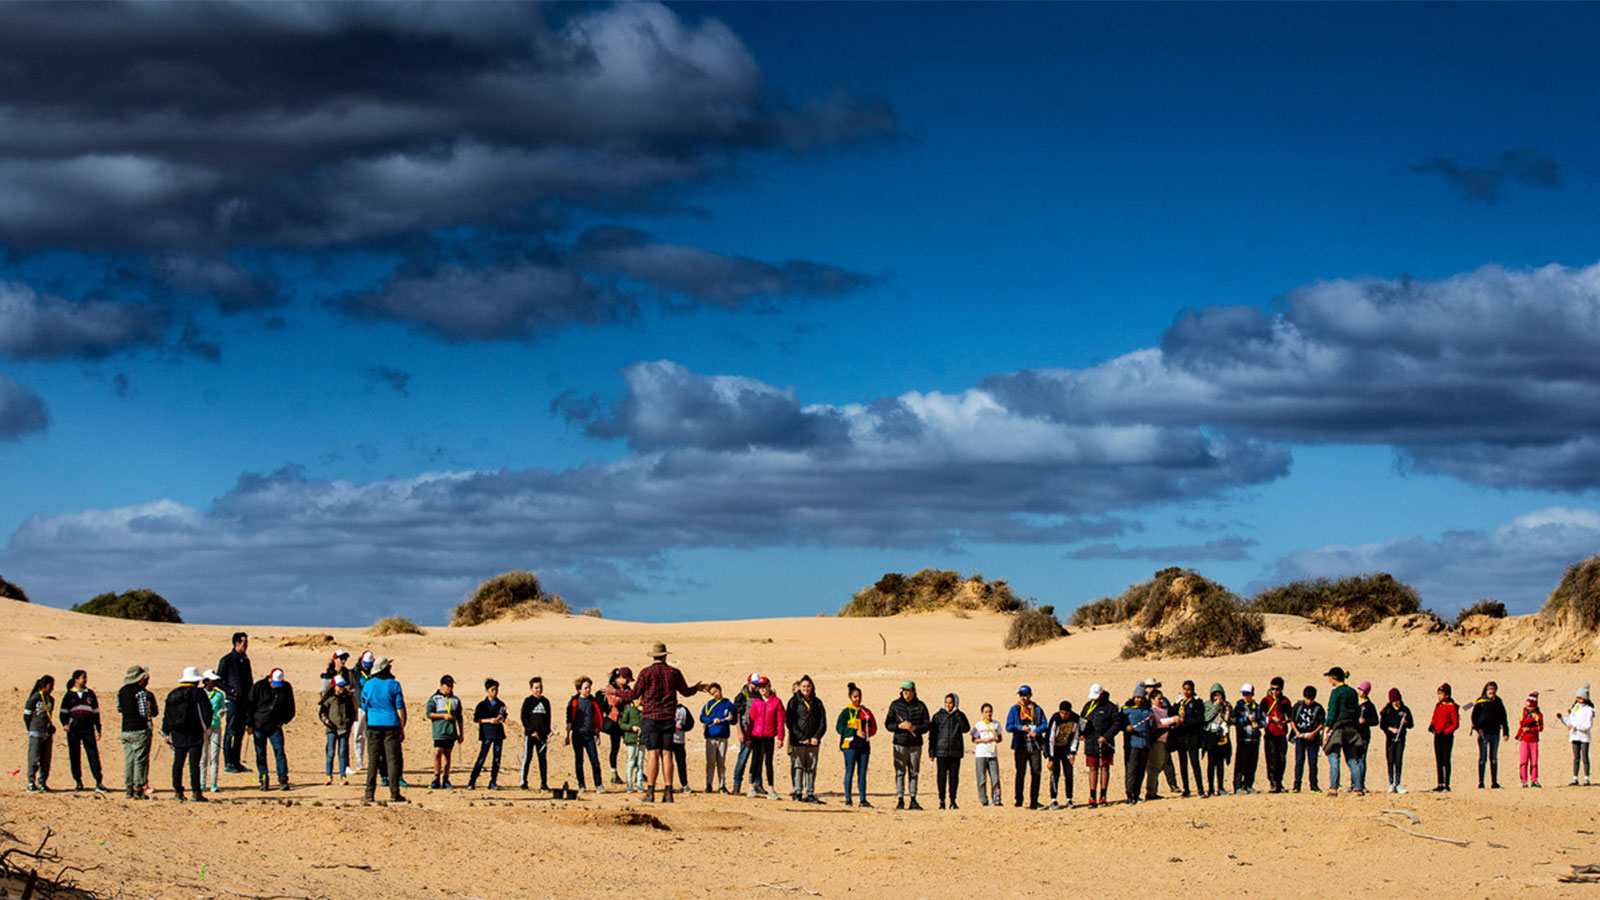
column 1092, row 707
column 706, row 710
column 1484, row 700
column 805, row 701
column 853, row 717
column 48, row 701
column 1576, row 705
column 1026, row 712
column 1538, row 717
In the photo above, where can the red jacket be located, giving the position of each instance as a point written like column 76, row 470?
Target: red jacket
column 1446, row 718
column 1532, row 723
column 766, row 717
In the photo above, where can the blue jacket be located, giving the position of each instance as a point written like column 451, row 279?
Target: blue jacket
column 1248, row 720
column 1139, row 723
column 717, row 709
column 1020, row 730
column 382, row 699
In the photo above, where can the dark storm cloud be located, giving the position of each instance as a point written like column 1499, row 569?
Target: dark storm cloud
column 1490, row 376
column 21, row 410
column 1229, row 549
column 1519, row 562
column 397, row 380
column 157, row 125
column 520, row 301
column 1483, row 184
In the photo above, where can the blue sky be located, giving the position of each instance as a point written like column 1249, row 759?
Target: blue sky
column 711, row 310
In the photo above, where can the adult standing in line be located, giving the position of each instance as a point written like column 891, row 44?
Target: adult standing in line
column 183, row 727
column 211, row 752
column 1161, row 722
column 909, row 720
column 856, row 726
column 271, row 708
column 806, row 720
column 1490, row 723
column 1028, row 725
column 658, row 690
column 986, row 735
column 766, row 730
column 1276, row 740
column 1344, row 714
column 717, row 717
column 38, row 714
column 139, row 710
column 1395, row 720
column 1247, row 723
column 947, row 744
column 385, row 706
column 237, row 682
column 1167, row 768
column 1579, row 720
column 1189, row 736
column 80, row 713
column 1446, row 720
column 1101, row 724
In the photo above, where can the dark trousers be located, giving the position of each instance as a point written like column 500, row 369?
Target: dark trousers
column 616, row 745
column 1489, row 752
column 90, row 747
column 1137, row 758
column 1189, row 758
column 761, row 763
column 1028, row 763
column 948, row 773
column 1244, row 765
column 1216, row 768
column 384, row 740
column 584, row 745
column 531, row 747
column 192, row 756
column 1443, row 746
column 1394, row 755
column 1061, row 772
column 1305, row 751
column 282, row 759
column 233, row 746
column 1277, row 749
column 680, row 757
column 483, row 753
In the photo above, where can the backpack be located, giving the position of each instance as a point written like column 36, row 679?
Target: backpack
column 184, row 718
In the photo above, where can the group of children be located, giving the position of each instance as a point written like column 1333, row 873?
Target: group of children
column 1155, row 734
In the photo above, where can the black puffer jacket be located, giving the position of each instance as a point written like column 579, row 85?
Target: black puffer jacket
column 805, row 720
column 1101, row 719
column 271, row 708
column 947, row 734
column 913, row 711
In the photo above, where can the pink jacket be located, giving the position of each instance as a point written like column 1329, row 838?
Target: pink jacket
column 766, row 717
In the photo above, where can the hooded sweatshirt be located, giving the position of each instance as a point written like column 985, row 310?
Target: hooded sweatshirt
column 1216, row 714
column 947, row 734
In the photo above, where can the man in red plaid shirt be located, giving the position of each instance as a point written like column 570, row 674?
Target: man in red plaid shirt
column 658, row 688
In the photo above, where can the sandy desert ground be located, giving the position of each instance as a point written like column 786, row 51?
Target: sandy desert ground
column 320, row 841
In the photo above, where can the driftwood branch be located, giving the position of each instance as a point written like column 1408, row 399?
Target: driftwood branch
column 1404, row 812
column 784, row 886
column 1431, row 837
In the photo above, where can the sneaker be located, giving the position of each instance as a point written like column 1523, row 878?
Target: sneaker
column 79, row 786
column 398, row 798
column 33, row 789
column 1585, row 781
column 899, row 802
column 343, row 781
column 847, row 802
column 1537, row 784
column 1492, row 787
column 446, row 785
column 812, row 798
column 178, row 796
column 433, row 785
column 329, row 781
column 615, row 779
column 724, row 790
column 1053, row 805
column 941, row 804
column 914, row 804
column 100, row 788
column 200, row 798
column 864, row 804
column 952, row 804
column 984, row 800
column 348, row 771
column 1069, row 803
column 1400, row 790
column 772, row 795
column 264, row 783
column 1573, row 782
column 493, row 786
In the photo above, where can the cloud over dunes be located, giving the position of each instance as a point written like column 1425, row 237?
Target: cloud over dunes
column 21, row 410
column 1489, row 376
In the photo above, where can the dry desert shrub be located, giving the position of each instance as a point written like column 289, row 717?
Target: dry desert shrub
column 1576, row 600
column 1033, row 625
column 393, row 625
column 516, row 595
column 12, row 591
column 930, row 590
column 1488, row 606
column 1352, row 603
column 1179, row 613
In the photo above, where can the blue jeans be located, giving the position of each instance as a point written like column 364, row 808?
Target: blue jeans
column 855, row 763
column 1489, row 754
column 338, row 746
column 1357, row 761
column 584, row 744
column 738, row 766
column 276, row 740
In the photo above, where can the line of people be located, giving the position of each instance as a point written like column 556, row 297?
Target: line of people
column 206, row 717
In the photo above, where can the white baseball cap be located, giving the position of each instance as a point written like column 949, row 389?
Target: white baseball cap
column 1247, row 688
column 1095, row 691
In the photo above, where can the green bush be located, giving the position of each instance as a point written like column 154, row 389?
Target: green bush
column 1490, row 607
column 141, row 605
column 1033, row 625
column 1577, row 598
column 11, row 591
column 930, row 590
column 516, row 594
column 1145, row 604
column 393, row 625
column 1220, row 626
column 1353, row 603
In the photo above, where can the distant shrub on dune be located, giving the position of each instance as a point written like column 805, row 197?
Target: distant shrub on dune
column 1353, row 603
column 1179, row 613
column 140, row 605
column 931, row 590
column 592, row 612
column 515, row 595
column 11, row 591
column 1033, row 625
column 1490, row 607
column 393, row 625
column 1576, row 599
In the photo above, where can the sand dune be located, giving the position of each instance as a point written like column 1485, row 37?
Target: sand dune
column 309, row 841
